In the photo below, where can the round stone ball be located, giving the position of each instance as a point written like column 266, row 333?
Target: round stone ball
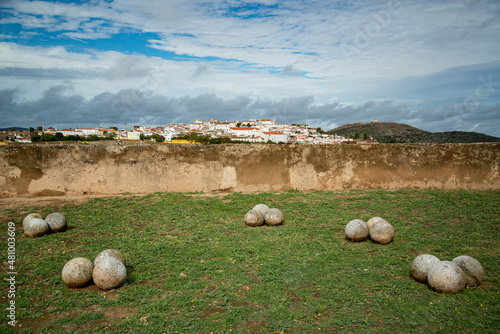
column 77, row 272
column 36, row 227
column 262, row 208
column 31, row 216
column 56, row 221
column 110, row 253
column 273, row 217
column 375, row 220
column 381, row 232
column 446, row 277
column 420, row 266
column 109, row 273
column 473, row 270
column 357, row 230
column 254, row 218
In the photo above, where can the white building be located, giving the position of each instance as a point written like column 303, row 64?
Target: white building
column 275, row 137
column 225, row 127
column 267, row 122
column 69, row 132
column 88, row 131
column 136, row 134
column 246, row 131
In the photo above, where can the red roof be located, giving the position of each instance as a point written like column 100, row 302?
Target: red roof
column 273, row 133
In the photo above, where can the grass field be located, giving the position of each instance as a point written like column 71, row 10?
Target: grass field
column 194, row 267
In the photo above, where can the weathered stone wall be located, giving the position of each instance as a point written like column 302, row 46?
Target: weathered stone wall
column 111, row 169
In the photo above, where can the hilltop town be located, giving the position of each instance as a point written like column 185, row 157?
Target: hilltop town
column 252, row 130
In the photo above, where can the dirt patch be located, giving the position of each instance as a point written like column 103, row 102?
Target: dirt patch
column 55, row 202
column 49, row 319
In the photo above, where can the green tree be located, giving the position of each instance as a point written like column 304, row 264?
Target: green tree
column 39, row 128
column 366, row 136
column 92, row 138
column 35, row 137
column 110, row 136
column 356, row 136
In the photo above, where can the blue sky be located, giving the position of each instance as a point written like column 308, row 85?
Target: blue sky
column 431, row 64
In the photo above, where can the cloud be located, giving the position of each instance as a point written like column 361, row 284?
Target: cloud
column 133, row 106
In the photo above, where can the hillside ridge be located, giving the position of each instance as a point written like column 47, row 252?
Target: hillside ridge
column 391, row 132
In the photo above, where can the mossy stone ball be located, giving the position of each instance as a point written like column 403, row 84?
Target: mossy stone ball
column 254, row 218
column 420, row 266
column 56, row 221
column 375, row 220
column 109, row 273
column 77, row 272
column 273, row 217
column 381, row 232
column 473, row 270
column 262, row 208
column 357, row 230
column 36, row 227
column 446, row 277
column 110, row 253
column 31, row 216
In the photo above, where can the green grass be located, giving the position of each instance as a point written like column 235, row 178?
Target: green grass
column 194, row 267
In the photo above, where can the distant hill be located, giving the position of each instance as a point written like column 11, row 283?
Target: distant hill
column 390, row 132
column 16, row 128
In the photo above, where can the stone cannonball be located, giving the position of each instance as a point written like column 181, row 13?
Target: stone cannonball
column 254, row 218
column 110, row 253
column 357, row 230
column 273, row 217
column 56, row 221
column 31, row 216
column 109, row 273
column 77, row 272
column 446, row 277
column 473, row 270
column 420, row 266
column 36, row 227
column 375, row 220
column 382, row 232
column 262, row 208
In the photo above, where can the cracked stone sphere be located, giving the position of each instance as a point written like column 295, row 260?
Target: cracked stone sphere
column 109, row 273
column 446, row 277
column 375, row 220
column 31, row 216
column 77, row 272
column 262, row 208
column 357, row 230
column 473, row 270
column 420, row 266
column 110, row 253
column 273, row 217
column 36, row 227
column 381, row 232
column 254, row 218
column 56, row 221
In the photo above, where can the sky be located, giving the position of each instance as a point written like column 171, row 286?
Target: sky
column 431, row 64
